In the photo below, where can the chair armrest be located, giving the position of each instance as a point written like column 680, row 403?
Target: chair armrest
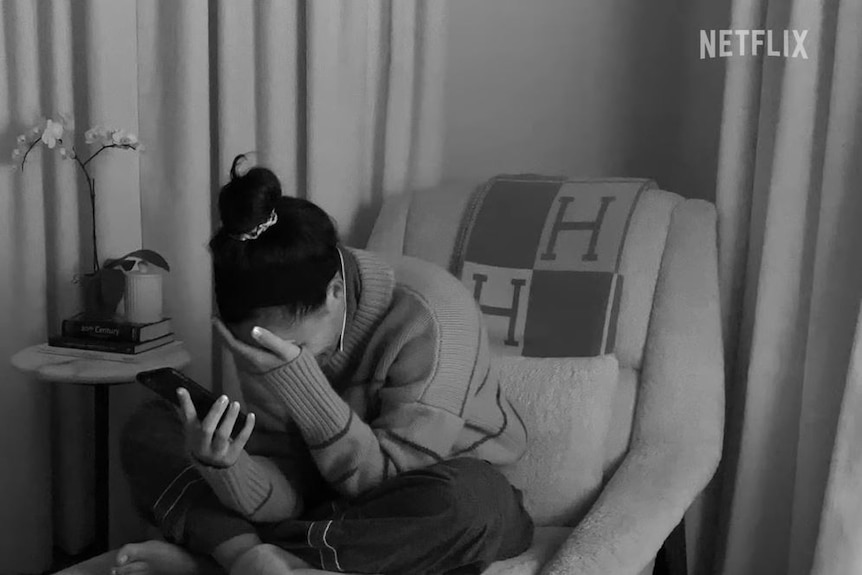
column 679, row 416
column 387, row 235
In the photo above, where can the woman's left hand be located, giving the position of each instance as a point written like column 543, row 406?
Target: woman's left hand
column 209, row 441
column 275, row 353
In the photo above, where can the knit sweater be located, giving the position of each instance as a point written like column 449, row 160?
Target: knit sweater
column 414, row 385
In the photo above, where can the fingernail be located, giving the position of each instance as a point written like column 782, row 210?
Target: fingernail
column 256, row 332
column 235, row 405
column 123, row 559
column 222, row 399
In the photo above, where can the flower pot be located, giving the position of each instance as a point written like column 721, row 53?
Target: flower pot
column 103, row 291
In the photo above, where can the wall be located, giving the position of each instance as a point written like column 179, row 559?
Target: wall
column 587, row 88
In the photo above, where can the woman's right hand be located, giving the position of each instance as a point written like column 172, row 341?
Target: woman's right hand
column 209, row 441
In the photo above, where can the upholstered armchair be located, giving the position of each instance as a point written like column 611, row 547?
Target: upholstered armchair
column 662, row 440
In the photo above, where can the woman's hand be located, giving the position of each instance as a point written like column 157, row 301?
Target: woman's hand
column 210, row 442
column 275, row 353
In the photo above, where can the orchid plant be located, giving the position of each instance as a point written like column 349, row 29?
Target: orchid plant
column 59, row 135
column 106, row 282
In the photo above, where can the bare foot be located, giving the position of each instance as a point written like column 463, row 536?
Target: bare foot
column 160, row 558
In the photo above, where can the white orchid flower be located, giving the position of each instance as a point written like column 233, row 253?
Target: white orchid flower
column 124, row 138
column 53, row 132
column 97, row 135
column 130, row 140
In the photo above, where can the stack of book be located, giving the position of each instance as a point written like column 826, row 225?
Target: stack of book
column 109, row 338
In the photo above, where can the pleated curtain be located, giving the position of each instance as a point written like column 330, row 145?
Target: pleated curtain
column 341, row 98
column 789, row 197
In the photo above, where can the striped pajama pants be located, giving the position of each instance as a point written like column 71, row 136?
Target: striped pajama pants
column 457, row 516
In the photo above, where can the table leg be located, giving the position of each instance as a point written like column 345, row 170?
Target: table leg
column 102, row 496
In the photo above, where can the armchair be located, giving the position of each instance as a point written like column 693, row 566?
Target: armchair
column 665, row 432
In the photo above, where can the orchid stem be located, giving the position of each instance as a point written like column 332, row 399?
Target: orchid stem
column 97, row 152
column 27, row 153
column 91, row 187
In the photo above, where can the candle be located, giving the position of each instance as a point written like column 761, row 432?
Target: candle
column 143, row 295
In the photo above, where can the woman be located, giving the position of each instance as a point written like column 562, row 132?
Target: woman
column 375, row 419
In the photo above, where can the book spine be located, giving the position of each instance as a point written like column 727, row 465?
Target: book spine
column 104, row 331
column 95, row 345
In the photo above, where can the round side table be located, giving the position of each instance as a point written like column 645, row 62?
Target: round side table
column 99, row 374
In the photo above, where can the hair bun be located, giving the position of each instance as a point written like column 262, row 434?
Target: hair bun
column 249, row 198
column 240, row 166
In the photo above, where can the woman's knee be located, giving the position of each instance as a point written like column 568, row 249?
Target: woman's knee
column 479, row 480
column 473, row 491
column 484, row 509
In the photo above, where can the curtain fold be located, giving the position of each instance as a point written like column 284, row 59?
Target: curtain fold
column 788, row 207
column 71, row 412
column 838, row 548
column 840, row 523
column 374, row 104
column 25, row 440
column 341, row 98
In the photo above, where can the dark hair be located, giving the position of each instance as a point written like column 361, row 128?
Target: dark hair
column 290, row 264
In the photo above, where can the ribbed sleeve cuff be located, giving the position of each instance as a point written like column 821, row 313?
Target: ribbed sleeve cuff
column 309, row 398
column 244, row 486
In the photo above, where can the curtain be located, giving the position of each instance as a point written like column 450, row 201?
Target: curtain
column 341, row 98
column 789, row 212
column 841, row 522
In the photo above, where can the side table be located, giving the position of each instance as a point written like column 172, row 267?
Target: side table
column 100, row 375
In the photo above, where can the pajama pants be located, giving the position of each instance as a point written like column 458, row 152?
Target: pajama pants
column 457, row 516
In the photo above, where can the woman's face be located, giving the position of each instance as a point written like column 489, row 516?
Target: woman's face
column 318, row 331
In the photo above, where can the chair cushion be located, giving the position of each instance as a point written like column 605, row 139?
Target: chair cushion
column 566, row 404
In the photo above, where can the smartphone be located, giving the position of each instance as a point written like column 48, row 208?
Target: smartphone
column 167, row 380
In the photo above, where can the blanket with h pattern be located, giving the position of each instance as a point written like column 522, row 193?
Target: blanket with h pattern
column 541, row 255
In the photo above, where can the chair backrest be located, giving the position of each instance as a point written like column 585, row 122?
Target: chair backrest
column 429, row 224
